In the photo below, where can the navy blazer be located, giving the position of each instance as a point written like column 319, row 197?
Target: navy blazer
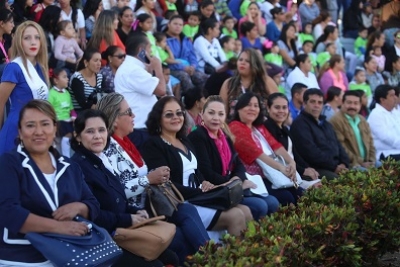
column 209, row 159
column 25, row 190
column 106, row 187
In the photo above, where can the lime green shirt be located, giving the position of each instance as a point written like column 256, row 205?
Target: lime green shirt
column 354, row 125
column 362, row 86
column 190, row 31
column 170, row 6
column 322, row 58
column 360, row 45
column 306, row 37
column 229, row 54
column 313, row 60
column 162, row 53
column 232, row 34
column 281, row 89
column 274, row 59
column 244, row 6
column 152, row 40
column 62, row 103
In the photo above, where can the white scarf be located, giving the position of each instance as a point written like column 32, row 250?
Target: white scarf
column 36, row 84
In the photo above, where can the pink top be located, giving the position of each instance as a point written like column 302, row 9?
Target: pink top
column 66, row 48
column 380, row 60
column 264, row 23
column 329, row 79
column 223, row 149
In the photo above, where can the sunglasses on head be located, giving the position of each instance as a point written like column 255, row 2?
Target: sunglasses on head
column 170, row 115
column 126, row 112
column 121, row 56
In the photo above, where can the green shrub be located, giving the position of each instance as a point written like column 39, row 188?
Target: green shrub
column 348, row 222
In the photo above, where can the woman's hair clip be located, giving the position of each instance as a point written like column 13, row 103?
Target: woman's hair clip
column 268, row 44
column 135, row 24
column 51, row 73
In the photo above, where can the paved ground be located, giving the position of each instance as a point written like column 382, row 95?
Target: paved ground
column 392, row 260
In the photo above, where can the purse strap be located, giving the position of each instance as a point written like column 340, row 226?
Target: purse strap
column 4, row 52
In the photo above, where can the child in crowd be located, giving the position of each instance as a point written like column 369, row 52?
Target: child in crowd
column 172, row 83
column 238, row 47
column 360, row 83
column 272, row 53
column 228, row 29
column 367, row 15
column 276, row 73
column 66, row 48
column 121, row 4
column 163, row 50
column 364, row 111
column 360, row 45
column 251, row 37
column 228, row 45
column 324, row 57
column 192, row 27
column 307, row 48
column 191, row 6
column 60, row 99
column 171, row 4
column 379, row 57
column 305, row 35
column 144, row 23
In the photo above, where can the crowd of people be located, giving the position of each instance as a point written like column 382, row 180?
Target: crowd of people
column 100, row 99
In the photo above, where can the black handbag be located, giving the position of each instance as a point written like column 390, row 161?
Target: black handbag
column 164, row 198
column 97, row 248
column 222, row 197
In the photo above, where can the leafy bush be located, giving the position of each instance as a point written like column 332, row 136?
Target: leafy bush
column 348, row 222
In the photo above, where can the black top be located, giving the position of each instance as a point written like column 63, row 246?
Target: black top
column 209, row 160
column 122, row 35
column 316, row 142
column 7, row 44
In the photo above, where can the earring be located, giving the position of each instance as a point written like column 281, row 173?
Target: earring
column 21, row 143
column 159, row 129
column 202, row 123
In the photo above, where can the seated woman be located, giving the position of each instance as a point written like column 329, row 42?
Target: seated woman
column 31, row 172
column 218, row 160
column 114, row 56
column 253, row 141
column 193, row 99
column 168, row 146
column 133, row 174
column 209, row 54
column 90, row 140
column 278, row 113
column 333, row 74
column 333, row 102
column 251, row 38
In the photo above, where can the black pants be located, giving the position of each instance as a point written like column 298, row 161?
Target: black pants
column 168, row 257
column 395, row 157
column 328, row 174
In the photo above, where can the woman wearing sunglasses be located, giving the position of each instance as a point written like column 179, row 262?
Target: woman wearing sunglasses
column 133, row 173
column 114, row 56
column 168, row 146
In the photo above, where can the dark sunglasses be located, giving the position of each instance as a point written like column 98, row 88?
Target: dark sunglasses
column 170, row 115
column 126, row 112
column 121, row 56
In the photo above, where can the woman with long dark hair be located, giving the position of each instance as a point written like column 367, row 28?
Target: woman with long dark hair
column 287, row 45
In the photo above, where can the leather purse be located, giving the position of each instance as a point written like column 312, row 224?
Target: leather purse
column 97, row 248
column 222, row 197
column 164, row 198
column 147, row 239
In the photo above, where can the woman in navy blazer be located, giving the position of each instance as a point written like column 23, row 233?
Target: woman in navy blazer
column 40, row 190
column 90, row 141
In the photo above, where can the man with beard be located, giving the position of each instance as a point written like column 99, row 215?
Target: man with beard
column 353, row 132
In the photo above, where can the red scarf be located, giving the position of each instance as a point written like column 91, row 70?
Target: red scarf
column 130, row 148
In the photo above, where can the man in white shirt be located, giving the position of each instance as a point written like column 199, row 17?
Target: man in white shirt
column 140, row 80
column 385, row 123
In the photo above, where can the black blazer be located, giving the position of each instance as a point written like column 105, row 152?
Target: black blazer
column 209, row 159
column 109, row 192
column 157, row 153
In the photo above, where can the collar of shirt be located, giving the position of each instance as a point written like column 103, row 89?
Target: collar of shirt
column 129, row 60
column 351, row 120
column 62, row 90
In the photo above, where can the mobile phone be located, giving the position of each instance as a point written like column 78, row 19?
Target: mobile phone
column 142, row 56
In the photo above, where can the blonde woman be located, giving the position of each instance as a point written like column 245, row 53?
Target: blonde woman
column 24, row 78
column 104, row 33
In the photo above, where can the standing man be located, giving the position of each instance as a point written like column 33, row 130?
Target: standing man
column 353, row 132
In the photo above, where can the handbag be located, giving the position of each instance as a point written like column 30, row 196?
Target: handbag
column 278, row 179
column 147, row 239
column 222, row 197
column 97, row 248
column 164, row 198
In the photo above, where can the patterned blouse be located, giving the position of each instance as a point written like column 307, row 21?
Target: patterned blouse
column 108, row 77
column 132, row 177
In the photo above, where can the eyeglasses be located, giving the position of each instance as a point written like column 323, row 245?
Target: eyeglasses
column 121, row 56
column 127, row 112
column 170, row 115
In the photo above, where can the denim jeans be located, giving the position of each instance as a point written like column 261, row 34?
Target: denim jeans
column 261, row 206
column 190, row 231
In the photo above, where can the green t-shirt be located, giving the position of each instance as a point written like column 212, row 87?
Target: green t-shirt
column 306, row 37
column 229, row 55
column 162, row 53
column 232, row 34
column 362, row 86
column 244, row 6
column 152, row 40
column 274, row 59
column 61, row 103
column 360, row 45
column 170, row 6
column 313, row 60
column 322, row 58
column 190, row 31
column 281, row 89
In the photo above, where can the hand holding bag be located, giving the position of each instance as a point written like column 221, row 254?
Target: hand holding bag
column 147, row 239
column 164, row 198
column 222, row 197
column 94, row 249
